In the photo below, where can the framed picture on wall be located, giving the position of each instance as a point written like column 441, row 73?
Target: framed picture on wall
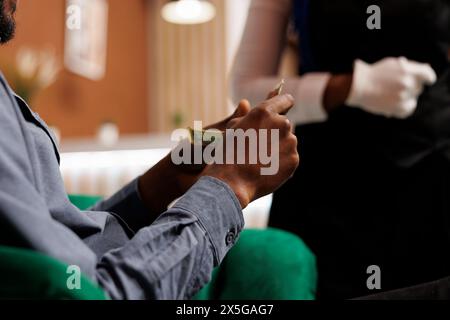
column 86, row 37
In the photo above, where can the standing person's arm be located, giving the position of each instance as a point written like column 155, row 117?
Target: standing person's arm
column 257, row 63
column 390, row 87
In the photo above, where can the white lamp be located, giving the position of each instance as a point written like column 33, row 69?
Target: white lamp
column 188, row 11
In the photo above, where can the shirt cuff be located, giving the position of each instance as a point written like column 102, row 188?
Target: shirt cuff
column 218, row 211
column 128, row 206
column 309, row 99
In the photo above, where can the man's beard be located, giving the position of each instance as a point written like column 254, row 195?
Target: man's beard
column 7, row 23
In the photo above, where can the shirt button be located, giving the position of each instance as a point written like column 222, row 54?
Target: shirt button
column 230, row 238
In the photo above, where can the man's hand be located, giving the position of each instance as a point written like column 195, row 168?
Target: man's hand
column 177, row 179
column 246, row 180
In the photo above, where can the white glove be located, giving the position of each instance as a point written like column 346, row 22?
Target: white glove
column 390, row 87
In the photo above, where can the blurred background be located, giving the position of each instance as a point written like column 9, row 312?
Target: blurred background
column 114, row 78
column 157, row 75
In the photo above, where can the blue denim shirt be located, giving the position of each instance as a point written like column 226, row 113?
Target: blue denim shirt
column 112, row 243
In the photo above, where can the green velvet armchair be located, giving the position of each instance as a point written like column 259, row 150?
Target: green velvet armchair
column 265, row 264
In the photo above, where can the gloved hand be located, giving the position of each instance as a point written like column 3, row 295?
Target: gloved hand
column 390, row 87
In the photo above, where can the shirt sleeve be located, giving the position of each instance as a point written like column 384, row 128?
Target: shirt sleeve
column 256, row 68
column 174, row 257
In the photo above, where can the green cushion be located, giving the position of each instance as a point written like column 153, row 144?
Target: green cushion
column 84, row 202
column 265, row 264
column 25, row 274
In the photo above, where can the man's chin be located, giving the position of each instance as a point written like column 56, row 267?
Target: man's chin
column 7, row 21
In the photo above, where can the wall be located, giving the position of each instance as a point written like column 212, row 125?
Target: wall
column 188, row 70
column 77, row 105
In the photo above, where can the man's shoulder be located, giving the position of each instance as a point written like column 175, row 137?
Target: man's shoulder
column 7, row 96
